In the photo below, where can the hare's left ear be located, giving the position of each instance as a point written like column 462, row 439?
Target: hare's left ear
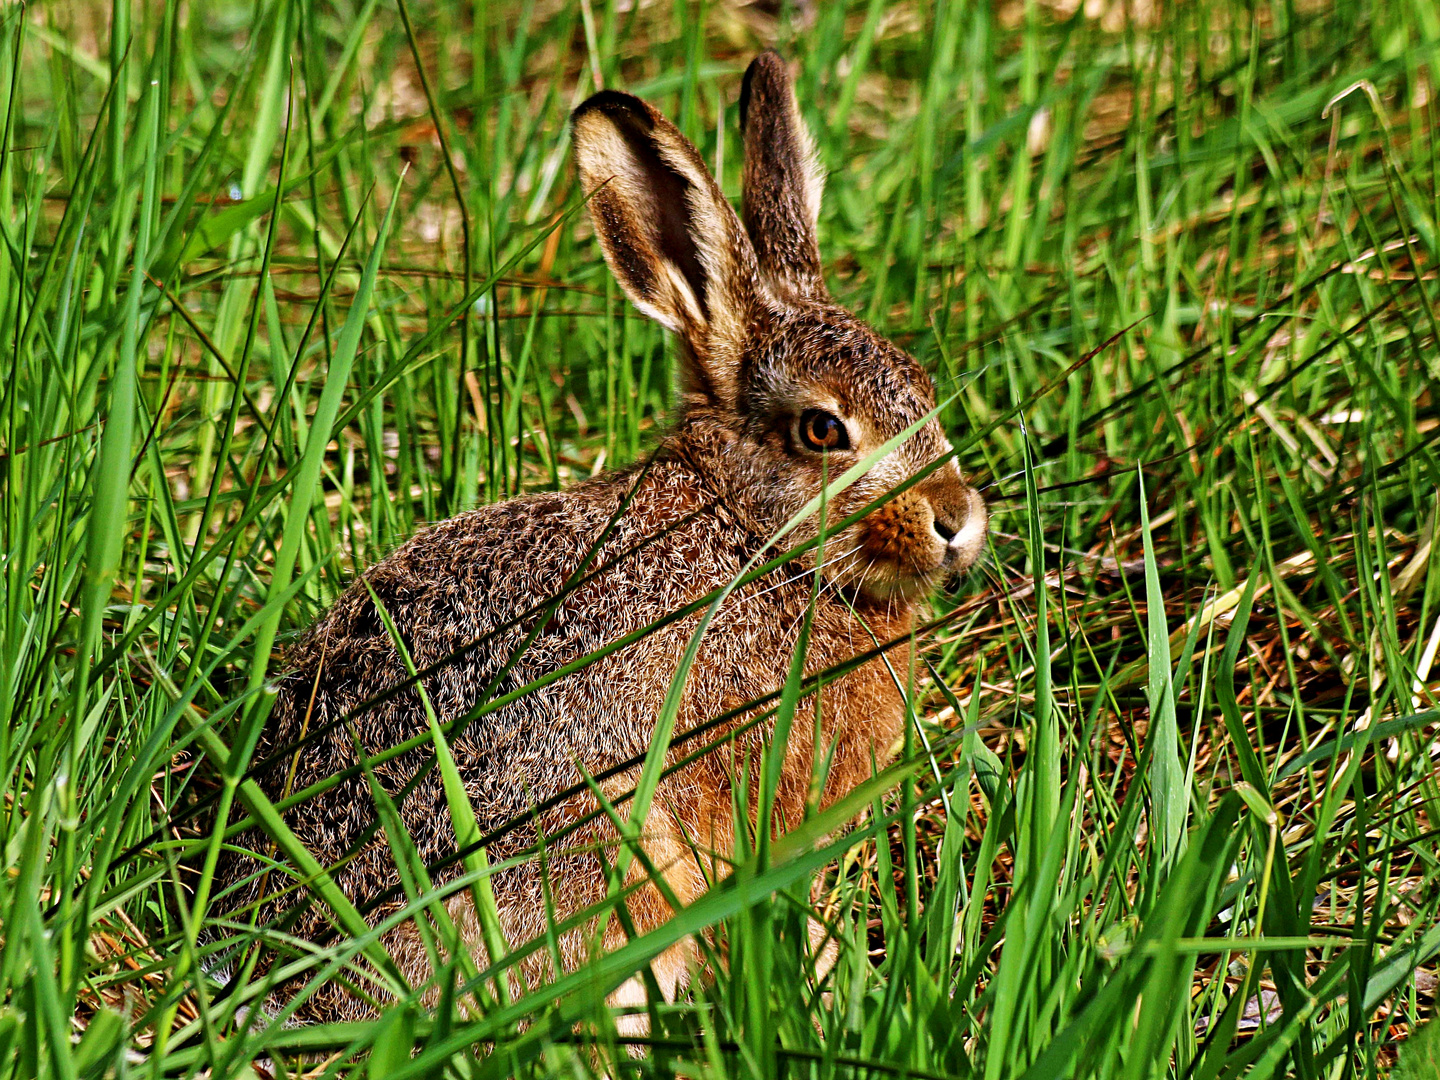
column 672, row 241
column 783, row 180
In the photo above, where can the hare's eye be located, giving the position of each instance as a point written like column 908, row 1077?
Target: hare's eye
column 820, row 431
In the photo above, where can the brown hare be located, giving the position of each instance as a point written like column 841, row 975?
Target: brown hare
column 781, row 387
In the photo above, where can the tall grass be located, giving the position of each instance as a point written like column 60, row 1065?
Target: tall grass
column 282, row 281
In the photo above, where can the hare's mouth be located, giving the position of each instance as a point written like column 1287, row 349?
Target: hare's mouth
column 902, row 552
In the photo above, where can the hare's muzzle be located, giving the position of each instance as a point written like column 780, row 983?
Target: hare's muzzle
column 964, row 532
column 960, row 523
column 923, row 536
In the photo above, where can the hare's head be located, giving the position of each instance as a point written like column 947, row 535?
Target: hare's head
column 782, row 386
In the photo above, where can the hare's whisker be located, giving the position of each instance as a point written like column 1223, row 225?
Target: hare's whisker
column 852, row 553
column 803, row 573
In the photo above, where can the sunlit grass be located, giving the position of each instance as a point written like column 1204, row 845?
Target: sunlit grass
column 1168, row 804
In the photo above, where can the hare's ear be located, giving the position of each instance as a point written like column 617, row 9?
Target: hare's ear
column 783, row 179
column 671, row 239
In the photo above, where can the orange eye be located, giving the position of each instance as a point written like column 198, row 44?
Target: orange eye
column 820, row 431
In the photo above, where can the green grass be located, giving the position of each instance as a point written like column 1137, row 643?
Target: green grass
column 1169, row 804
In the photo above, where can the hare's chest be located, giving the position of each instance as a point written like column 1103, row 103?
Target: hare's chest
column 862, row 712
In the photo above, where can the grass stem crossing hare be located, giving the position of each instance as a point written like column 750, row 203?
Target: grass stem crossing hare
column 781, row 388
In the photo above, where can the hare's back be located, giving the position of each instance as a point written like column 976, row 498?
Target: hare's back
column 472, row 600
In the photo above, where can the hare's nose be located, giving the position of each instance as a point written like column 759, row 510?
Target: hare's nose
column 960, row 524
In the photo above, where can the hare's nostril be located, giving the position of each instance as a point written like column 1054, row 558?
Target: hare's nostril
column 946, row 531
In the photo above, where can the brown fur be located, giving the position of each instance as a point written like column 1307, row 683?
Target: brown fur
column 763, row 342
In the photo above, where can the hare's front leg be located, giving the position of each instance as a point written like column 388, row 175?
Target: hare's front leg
column 676, row 858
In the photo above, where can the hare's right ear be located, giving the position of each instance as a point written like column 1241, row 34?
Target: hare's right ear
column 783, row 180
column 670, row 237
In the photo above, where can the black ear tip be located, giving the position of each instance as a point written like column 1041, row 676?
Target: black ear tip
column 770, row 62
column 767, row 76
column 615, row 105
